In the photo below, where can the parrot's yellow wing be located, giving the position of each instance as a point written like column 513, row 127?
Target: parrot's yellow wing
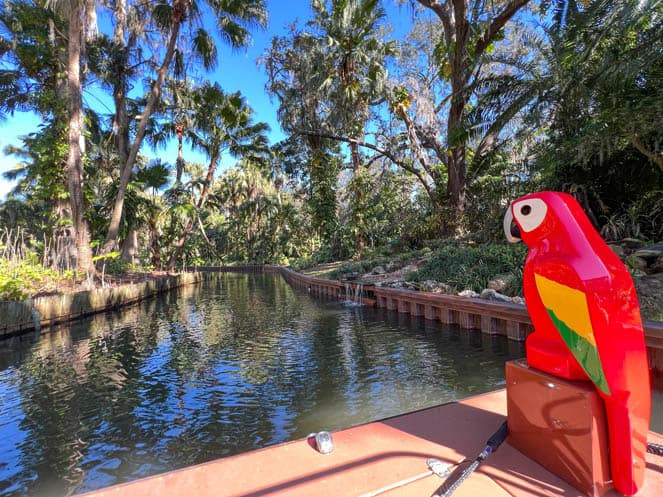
column 567, row 307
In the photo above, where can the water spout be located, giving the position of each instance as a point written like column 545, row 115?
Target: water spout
column 353, row 295
column 358, row 293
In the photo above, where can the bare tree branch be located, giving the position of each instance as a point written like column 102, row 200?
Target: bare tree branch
column 429, row 140
column 442, row 11
column 439, row 106
column 381, row 151
column 497, row 24
column 637, row 143
column 413, row 137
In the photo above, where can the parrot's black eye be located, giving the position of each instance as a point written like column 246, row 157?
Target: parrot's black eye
column 525, row 210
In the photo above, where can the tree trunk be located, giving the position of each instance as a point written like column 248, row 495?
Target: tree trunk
column 460, row 74
column 464, row 52
column 172, row 260
column 130, row 247
column 62, row 207
column 359, row 203
column 177, row 249
column 91, row 27
column 179, row 15
column 356, row 158
column 74, row 157
column 154, row 245
column 60, row 78
column 456, row 164
column 120, row 84
column 62, row 255
column 323, row 195
column 179, row 162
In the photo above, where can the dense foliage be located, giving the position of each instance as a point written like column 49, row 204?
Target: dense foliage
column 390, row 141
column 472, row 267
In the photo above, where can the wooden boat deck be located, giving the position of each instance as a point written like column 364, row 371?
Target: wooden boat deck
column 385, row 458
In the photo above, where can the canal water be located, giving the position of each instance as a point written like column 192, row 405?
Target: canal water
column 237, row 362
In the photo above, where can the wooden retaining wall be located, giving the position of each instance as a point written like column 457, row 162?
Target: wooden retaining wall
column 252, row 268
column 495, row 318
column 48, row 310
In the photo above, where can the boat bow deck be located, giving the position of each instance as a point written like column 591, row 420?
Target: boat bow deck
column 385, row 458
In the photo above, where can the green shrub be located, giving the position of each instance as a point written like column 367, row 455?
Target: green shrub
column 19, row 279
column 472, row 266
column 13, row 288
column 318, row 257
column 642, row 219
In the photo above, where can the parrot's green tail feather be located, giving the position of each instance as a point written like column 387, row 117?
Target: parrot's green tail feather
column 586, row 353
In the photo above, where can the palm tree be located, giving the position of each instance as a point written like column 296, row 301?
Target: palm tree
column 232, row 193
column 258, row 217
column 33, row 79
column 77, row 28
column 177, row 121
column 37, row 57
column 326, row 79
column 352, row 78
column 293, row 65
column 120, row 78
column 234, row 20
column 354, row 72
column 158, row 213
column 142, row 206
column 222, row 123
column 605, row 77
column 75, row 156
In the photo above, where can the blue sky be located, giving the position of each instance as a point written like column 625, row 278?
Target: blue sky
column 237, row 70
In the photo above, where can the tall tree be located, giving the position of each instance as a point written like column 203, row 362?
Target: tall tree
column 223, row 123
column 293, row 67
column 605, row 66
column 120, row 79
column 327, row 77
column 75, row 155
column 33, row 80
column 352, row 79
column 469, row 28
column 600, row 118
column 33, row 60
column 39, row 62
column 233, row 20
column 77, row 28
column 176, row 120
column 353, row 73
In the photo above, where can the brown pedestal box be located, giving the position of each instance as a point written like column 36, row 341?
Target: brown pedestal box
column 560, row 424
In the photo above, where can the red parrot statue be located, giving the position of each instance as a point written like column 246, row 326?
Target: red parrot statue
column 586, row 317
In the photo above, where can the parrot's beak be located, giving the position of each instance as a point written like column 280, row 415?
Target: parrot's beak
column 511, row 230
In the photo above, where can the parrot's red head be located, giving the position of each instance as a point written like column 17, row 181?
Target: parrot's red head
column 534, row 217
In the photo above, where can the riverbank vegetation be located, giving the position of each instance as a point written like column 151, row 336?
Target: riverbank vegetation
column 394, row 145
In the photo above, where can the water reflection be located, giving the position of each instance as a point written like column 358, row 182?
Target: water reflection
column 237, row 362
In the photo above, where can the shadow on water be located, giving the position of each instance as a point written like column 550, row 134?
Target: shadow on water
column 209, row 370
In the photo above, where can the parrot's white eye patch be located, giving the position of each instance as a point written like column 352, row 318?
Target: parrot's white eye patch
column 530, row 213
